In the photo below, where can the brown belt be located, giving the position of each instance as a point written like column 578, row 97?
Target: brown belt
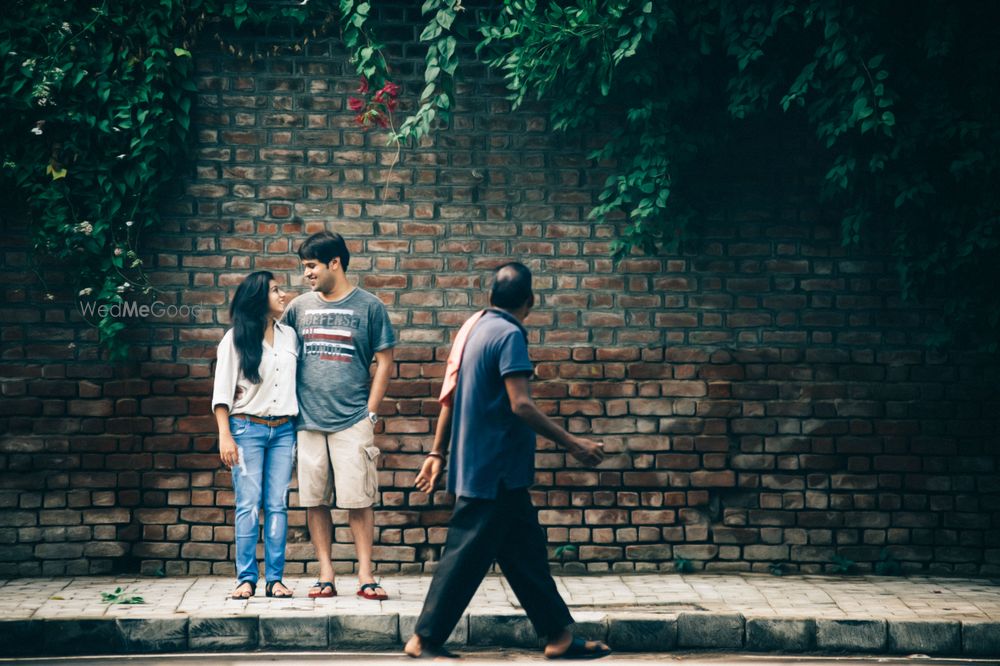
column 272, row 421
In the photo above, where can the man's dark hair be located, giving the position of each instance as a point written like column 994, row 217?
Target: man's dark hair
column 324, row 247
column 511, row 286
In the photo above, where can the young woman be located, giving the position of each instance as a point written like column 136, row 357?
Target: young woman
column 255, row 407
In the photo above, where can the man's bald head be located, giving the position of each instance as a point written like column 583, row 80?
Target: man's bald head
column 511, row 287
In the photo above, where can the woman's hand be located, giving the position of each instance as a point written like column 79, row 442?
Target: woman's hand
column 429, row 473
column 228, row 452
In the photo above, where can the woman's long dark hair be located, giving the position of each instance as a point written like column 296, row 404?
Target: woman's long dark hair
column 248, row 312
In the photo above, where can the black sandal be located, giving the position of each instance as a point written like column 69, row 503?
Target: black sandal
column 269, row 590
column 578, row 650
column 239, row 597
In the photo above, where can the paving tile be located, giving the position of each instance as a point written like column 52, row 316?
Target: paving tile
column 459, row 635
column 81, row 636
column 981, row 638
column 153, row 634
column 774, row 605
column 851, row 635
column 364, row 632
column 513, row 630
column 223, row 633
column 642, row 633
column 710, row 630
column 284, row 631
column 908, row 636
column 772, row 634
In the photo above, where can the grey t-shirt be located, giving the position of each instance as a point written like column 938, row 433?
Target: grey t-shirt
column 337, row 342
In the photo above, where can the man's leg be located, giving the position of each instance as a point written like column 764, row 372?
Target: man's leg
column 352, row 454
column 362, row 522
column 468, row 553
column 523, row 557
column 321, row 535
column 316, row 494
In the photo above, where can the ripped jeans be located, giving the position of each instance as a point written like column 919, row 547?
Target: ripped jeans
column 261, row 479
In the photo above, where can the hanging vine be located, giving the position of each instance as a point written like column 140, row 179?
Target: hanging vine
column 96, row 130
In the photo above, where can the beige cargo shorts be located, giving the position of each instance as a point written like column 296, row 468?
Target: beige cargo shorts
column 344, row 461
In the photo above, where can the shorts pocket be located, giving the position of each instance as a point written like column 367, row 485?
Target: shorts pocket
column 371, row 454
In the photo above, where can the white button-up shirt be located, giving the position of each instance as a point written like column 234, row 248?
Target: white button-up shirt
column 275, row 394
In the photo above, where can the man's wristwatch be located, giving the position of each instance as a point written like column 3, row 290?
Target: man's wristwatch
column 373, row 417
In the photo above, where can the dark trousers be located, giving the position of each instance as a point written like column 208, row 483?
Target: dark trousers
column 482, row 531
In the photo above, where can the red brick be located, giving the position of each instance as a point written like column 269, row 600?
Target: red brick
column 560, row 517
column 654, row 517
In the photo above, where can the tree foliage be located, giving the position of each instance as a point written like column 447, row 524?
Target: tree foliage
column 97, row 103
column 901, row 99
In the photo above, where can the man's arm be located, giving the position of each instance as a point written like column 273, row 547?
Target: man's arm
column 431, row 469
column 586, row 451
column 442, row 436
column 380, row 383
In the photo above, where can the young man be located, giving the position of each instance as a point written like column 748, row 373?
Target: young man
column 341, row 328
column 492, row 421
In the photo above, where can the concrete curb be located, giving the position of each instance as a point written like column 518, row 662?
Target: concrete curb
column 626, row 632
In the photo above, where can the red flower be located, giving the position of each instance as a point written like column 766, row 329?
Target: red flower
column 355, row 104
column 378, row 96
column 390, row 104
column 363, row 88
column 390, row 89
column 359, row 119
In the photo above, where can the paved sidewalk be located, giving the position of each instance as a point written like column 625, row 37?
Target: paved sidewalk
column 658, row 612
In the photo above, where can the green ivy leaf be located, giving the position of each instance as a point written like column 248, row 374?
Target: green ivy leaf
column 445, row 18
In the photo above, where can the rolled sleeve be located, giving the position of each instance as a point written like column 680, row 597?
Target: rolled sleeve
column 513, row 357
column 226, row 373
column 380, row 330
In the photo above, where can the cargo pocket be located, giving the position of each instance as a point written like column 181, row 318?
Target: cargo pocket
column 370, row 454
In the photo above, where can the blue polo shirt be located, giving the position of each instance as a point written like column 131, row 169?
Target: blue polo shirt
column 489, row 444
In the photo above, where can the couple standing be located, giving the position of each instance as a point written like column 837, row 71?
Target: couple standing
column 265, row 381
column 487, row 414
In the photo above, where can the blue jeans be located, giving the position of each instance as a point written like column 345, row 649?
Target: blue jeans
column 262, row 477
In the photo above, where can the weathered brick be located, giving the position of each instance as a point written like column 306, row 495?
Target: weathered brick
column 767, row 386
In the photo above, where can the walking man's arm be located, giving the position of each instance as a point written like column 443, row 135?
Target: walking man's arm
column 431, row 470
column 586, row 451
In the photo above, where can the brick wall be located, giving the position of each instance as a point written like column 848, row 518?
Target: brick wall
column 765, row 397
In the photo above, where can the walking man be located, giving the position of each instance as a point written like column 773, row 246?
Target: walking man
column 341, row 328
column 492, row 421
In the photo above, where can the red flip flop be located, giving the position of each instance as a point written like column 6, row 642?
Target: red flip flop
column 322, row 588
column 368, row 592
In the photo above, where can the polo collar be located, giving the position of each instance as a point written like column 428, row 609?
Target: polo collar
column 509, row 317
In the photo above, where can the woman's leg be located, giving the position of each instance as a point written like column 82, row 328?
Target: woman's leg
column 251, row 439
column 280, row 455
